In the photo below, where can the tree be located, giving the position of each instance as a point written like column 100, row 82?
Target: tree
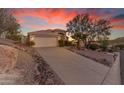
column 86, row 29
column 104, row 44
column 14, row 35
column 78, row 36
column 78, row 26
column 8, row 23
column 103, row 29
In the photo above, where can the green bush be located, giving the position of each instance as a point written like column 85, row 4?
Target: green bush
column 67, row 43
column 14, row 37
column 30, row 43
column 94, row 46
column 110, row 50
column 104, row 45
column 120, row 46
column 61, row 43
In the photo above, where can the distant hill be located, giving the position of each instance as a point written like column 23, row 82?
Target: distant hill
column 116, row 41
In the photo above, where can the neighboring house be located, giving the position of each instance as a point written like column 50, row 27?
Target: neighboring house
column 46, row 38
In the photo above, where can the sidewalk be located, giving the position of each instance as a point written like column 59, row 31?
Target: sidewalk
column 113, row 77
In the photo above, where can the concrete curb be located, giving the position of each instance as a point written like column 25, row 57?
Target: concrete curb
column 113, row 76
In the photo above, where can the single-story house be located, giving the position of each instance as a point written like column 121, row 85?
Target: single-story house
column 46, row 38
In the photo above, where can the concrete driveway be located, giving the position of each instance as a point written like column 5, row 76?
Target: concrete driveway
column 73, row 68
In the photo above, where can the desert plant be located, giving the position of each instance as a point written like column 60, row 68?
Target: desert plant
column 30, row 43
column 68, row 43
column 104, row 45
column 61, row 43
column 93, row 46
column 14, row 35
column 120, row 46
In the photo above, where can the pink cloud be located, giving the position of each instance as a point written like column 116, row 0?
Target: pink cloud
column 58, row 16
column 117, row 20
column 117, row 23
column 20, row 21
column 51, row 15
column 35, row 26
column 118, row 27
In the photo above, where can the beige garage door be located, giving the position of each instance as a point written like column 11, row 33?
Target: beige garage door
column 45, row 42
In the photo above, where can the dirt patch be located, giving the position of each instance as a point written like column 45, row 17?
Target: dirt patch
column 16, row 66
column 24, row 66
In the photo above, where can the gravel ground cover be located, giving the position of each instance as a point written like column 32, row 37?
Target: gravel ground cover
column 101, row 57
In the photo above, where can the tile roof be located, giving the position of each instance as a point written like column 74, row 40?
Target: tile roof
column 46, row 33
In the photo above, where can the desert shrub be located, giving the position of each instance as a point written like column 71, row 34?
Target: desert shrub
column 67, row 43
column 14, row 37
column 30, row 43
column 94, row 46
column 110, row 50
column 61, row 43
column 120, row 46
column 104, row 45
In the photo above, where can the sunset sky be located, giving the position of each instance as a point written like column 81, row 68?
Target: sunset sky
column 34, row 19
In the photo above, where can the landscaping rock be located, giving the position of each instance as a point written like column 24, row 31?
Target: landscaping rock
column 100, row 57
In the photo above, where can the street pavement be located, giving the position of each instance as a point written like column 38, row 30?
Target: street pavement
column 122, row 66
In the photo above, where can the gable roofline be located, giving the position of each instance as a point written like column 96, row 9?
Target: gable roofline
column 47, row 33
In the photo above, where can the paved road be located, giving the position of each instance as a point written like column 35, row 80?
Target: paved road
column 122, row 66
column 73, row 68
